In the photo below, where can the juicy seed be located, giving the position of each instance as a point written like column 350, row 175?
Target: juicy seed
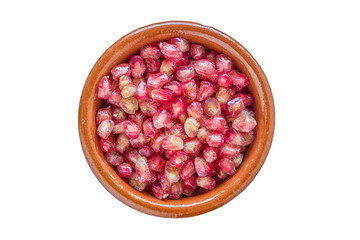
column 156, row 163
column 181, row 43
column 161, row 118
column 189, row 88
column 120, row 70
column 206, row 182
column 131, row 129
column 170, row 51
column 216, row 123
column 197, row 51
column 157, row 80
column 191, row 127
column 135, row 183
column 244, row 123
column 227, row 165
column 105, row 128
column 122, row 143
column 124, row 170
column 114, row 158
column 104, row 89
column 215, row 139
column 223, row 63
column 138, row 66
column 129, row 105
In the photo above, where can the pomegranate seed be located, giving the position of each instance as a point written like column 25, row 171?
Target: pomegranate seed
column 182, row 117
column 118, row 127
column 103, row 114
column 141, row 91
column 105, row 128
column 191, row 127
column 138, row 66
column 189, row 88
column 238, row 160
column 152, row 65
column 192, row 146
column 164, row 182
column 168, row 153
column 195, row 110
column 128, row 90
column 139, row 141
column 168, row 67
column 132, row 156
column 157, row 80
column 210, row 154
column 204, row 67
column 175, row 190
column 223, row 63
column 157, row 141
column 248, row 99
column 149, row 129
column 215, row 139
column 249, row 137
column 124, row 81
column 146, row 151
column 138, row 118
column 197, row 51
column 135, row 183
column 240, row 80
column 120, row 70
column 221, row 175
column 224, row 80
column 187, row 170
column 161, row 118
column 206, row 182
column 124, row 170
column 122, row 143
column 174, row 86
column 235, row 107
column 181, row 43
column 207, row 89
column 216, row 123
column 114, row 158
column 150, row 51
column 143, row 170
column 224, row 95
column 249, row 112
column 211, row 107
column 129, row 105
column 229, row 150
column 107, row 145
column 118, row 114
column 131, row 129
column 149, row 107
column 104, row 89
column 244, row 123
column 202, row 134
column 172, row 143
column 115, row 97
column 162, row 95
column 178, row 159
column 177, row 130
column 227, row 165
column 158, row 192
column 211, row 56
column 171, row 51
column 156, row 163
column 178, row 107
column 184, row 73
column 234, row 137
column 171, row 173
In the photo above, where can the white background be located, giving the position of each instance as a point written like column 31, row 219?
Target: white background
column 307, row 189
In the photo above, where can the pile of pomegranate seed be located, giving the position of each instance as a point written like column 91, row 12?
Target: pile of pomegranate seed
column 174, row 118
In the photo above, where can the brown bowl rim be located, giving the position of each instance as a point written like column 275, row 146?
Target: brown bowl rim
column 254, row 158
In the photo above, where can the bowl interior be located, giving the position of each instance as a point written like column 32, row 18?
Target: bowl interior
column 202, row 201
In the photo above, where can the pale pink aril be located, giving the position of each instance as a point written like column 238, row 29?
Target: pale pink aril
column 215, row 139
column 208, row 183
column 204, row 67
column 181, row 43
column 178, row 159
column 141, row 140
column 229, row 150
column 227, row 165
column 118, row 127
column 150, row 51
column 211, row 107
column 184, row 73
column 115, row 97
column 156, row 163
column 135, row 183
column 244, row 123
column 191, row 127
column 224, row 64
column 172, row 143
column 224, row 80
column 128, row 90
column 168, row 67
column 206, row 90
column 130, row 105
column 234, row 137
column 192, row 146
column 177, row 107
column 234, row 107
column 171, row 173
column 171, row 51
column 138, row 66
column 224, row 95
column 122, row 143
column 161, row 118
column 189, row 88
column 149, row 107
column 124, row 81
column 146, row 150
column 175, row 190
column 157, row 141
column 104, row 88
column 202, row 134
column 107, row 145
column 197, row 51
column 118, row 114
column 105, row 128
column 158, row 191
column 120, row 70
column 240, row 80
column 103, row 114
column 162, row 95
column 209, row 154
column 187, row 170
column 202, row 167
column 149, row 129
column 141, row 92
column 195, row 110
column 174, row 86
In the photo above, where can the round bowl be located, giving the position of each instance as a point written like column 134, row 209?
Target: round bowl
column 256, row 152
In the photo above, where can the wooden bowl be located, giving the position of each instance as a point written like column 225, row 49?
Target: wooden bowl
column 256, row 152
